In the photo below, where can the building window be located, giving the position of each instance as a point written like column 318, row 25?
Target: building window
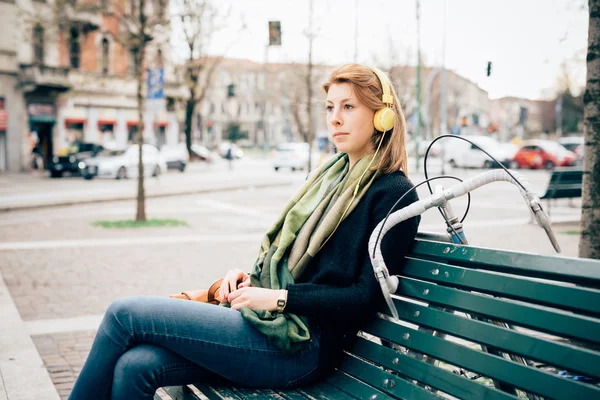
column 38, row 44
column 133, row 56
column 105, row 56
column 74, row 48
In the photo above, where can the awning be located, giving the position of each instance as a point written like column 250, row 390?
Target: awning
column 106, row 122
column 71, row 121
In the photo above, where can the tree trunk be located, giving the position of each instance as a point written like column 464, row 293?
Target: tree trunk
column 589, row 244
column 190, row 105
column 141, row 56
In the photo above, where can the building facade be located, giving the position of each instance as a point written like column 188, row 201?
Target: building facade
column 268, row 102
column 65, row 76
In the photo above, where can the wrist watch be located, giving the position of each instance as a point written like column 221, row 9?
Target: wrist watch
column 281, row 301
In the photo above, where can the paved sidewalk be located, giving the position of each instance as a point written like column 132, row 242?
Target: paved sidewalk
column 23, row 375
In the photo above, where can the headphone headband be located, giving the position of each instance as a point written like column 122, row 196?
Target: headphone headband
column 387, row 97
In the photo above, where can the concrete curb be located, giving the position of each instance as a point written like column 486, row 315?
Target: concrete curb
column 22, row 371
column 122, row 197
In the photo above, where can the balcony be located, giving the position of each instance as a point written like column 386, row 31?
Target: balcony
column 87, row 18
column 34, row 77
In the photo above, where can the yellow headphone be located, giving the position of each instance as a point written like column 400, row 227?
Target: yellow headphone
column 384, row 118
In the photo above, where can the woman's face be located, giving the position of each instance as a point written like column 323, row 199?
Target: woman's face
column 350, row 122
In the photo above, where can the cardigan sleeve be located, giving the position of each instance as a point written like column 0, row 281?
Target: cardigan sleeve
column 330, row 303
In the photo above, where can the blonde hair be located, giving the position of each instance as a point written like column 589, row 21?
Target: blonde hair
column 367, row 88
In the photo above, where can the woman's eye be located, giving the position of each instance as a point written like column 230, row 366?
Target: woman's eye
column 348, row 106
column 329, row 108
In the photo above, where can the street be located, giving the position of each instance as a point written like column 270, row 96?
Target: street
column 62, row 272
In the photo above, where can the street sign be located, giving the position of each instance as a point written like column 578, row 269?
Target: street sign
column 156, row 83
column 155, row 101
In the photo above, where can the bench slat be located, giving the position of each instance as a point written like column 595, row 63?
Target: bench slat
column 584, row 361
column 323, row 391
column 217, row 392
column 178, row 393
column 384, row 381
column 564, row 269
column 576, row 299
column 521, row 376
column 557, row 322
column 427, row 374
column 355, row 388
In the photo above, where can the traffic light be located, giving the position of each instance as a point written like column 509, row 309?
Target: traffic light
column 489, row 68
column 274, row 33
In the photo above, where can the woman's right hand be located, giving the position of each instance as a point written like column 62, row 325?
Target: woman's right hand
column 233, row 280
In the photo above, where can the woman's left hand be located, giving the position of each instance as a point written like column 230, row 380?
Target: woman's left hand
column 254, row 298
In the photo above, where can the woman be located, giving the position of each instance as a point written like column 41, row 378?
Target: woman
column 312, row 285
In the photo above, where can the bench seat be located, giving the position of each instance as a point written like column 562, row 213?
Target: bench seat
column 475, row 323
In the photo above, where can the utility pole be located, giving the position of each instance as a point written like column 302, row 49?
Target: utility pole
column 418, row 127
column 443, row 95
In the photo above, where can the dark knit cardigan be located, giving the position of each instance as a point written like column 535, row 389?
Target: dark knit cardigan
column 338, row 291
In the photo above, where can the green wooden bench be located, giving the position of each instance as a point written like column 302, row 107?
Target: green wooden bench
column 475, row 324
column 564, row 183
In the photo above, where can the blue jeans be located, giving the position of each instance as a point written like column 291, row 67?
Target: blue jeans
column 144, row 343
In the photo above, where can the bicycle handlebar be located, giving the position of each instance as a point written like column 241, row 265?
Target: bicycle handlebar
column 389, row 284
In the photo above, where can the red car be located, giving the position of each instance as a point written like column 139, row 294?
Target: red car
column 543, row 154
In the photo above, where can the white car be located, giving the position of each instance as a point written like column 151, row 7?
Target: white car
column 122, row 164
column 176, row 156
column 294, row 156
column 459, row 153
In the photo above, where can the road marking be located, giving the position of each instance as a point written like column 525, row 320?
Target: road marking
column 57, row 244
column 62, row 325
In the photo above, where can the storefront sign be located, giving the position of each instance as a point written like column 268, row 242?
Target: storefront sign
column 39, row 112
column 3, row 115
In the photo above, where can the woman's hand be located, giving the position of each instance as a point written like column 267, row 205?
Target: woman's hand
column 254, row 298
column 232, row 281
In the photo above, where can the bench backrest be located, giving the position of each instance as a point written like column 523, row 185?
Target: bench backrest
column 553, row 302
column 564, row 183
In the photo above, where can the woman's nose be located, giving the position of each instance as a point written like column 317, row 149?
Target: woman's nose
column 335, row 118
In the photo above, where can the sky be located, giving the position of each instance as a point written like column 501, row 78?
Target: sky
column 527, row 41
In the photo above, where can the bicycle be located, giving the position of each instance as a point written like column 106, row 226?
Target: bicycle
column 440, row 198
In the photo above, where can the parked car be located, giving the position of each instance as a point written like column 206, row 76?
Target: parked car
column 202, row 153
column 176, row 156
column 293, row 155
column 122, row 164
column 575, row 144
column 459, row 153
column 543, row 154
column 68, row 159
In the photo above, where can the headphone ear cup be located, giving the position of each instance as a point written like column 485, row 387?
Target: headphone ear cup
column 384, row 119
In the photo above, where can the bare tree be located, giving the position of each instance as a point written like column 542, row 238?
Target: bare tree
column 137, row 23
column 589, row 245
column 200, row 20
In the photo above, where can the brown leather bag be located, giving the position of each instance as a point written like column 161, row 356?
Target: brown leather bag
column 212, row 295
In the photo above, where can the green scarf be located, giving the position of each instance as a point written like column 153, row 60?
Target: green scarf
column 307, row 221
